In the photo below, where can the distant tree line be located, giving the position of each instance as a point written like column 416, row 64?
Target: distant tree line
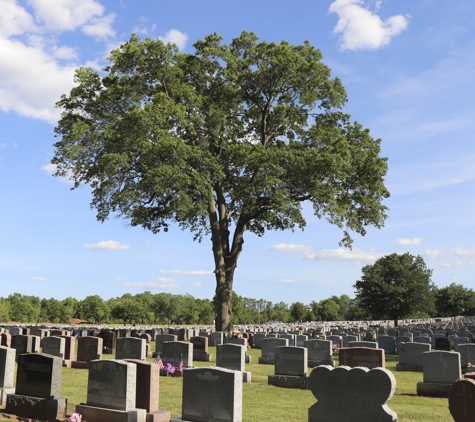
column 170, row 309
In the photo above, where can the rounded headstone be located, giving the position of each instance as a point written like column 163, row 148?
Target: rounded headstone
column 462, row 400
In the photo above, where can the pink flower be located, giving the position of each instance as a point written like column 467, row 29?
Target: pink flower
column 75, row 417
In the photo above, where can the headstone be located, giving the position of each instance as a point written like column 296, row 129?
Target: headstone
column 5, row 339
column 7, row 371
column 200, row 349
column 162, row 338
column 69, row 347
column 338, row 340
column 290, row 337
column 109, row 342
column 38, row 386
column 462, row 400
column 175, row 351
column 362, row 356
column 458, row 341
column 370, row 344
column 130, row 348
column 268, row 349
column 216, row 338
column 258, row 337
column 111, row 392
column 423, row 339
column 411, row 356
column 388, row 344
column 357, row 394
column 441, row 369
column 467, row 357
column 348, row 339
column 290, row 367
column 319, row 352
column 54, row 346
column 22, row 344
column 147, row 391
column 232, row 356
column 89, row 348
column 442, row 343
column 211, row 394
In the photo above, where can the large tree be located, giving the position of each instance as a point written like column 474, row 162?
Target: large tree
column 232, row 138
column 395, row 287
column 454, row 300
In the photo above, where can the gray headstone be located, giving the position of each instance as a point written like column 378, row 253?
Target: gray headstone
column 216, row 338
column 130, row 348
column 39, row 375
column 467, row 354
column 54, row 346
column 231, row 356
column 111, row 384
column 162, row 338
column 174, row 351
column 441, row 366
column 212, row 394
column 291, row 361
column 356, row 394
column 388, row 343
column 270, row 343
column 89, row 348
column 319, row 352
column 412, row 353
column 7, row 366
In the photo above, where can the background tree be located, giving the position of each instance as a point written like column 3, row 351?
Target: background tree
column 454, row 300
column 326, row 310
column 298, row 311
column 395, row 287
column 127, row 310
column 232, row 138
column 4, row 310
column 94, row 309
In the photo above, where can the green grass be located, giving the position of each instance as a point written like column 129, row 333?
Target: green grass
column 262, row 402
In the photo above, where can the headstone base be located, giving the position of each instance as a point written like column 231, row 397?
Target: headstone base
column 108, row 351
column 3, row 394
column 409, row 367
column 67, row 363
column 79, row 364
column 35, row 407
column 247, row 359
column 160, row 416
column 100, row 414
column 202, row 357
column 246, row 376
column 433, row 389
column 314, row 363
column 288, row 381
column 264, row 360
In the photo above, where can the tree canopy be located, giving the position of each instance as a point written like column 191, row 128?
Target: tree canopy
column 232, row 138
column 395, row 287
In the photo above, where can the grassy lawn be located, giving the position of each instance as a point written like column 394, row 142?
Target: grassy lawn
column 262, row 402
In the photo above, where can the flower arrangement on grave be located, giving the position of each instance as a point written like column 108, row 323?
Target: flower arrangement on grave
column 170, row 369
column 334, row 347
column 75, row 417
column 236, row 334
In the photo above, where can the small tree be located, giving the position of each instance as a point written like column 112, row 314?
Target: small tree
column 454, row 300
column 232, row 138
column 395, row 287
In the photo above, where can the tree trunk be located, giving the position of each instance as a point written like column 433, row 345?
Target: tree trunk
column 224, row 294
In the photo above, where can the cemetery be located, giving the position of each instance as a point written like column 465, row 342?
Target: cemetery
column 327, row 378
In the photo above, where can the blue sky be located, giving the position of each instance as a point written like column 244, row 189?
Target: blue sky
column 408, row 68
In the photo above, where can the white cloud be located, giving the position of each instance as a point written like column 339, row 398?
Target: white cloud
column 362, row 29
column 38, row 278
column 357, row 256
column 455, row 278
column 100, row 27
column 456, row 180
column 121, row 278
column 286, row 281
column 107, row 246
column 50, row 169
column 33, row 75
column 186, row 273
column 464, row 252
column 174, row 36
column 432, row 254
column 161, row 283
column 66, row 15
column 196, row 284
column 14, row 19
column 445, row 265
column 408, row 242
